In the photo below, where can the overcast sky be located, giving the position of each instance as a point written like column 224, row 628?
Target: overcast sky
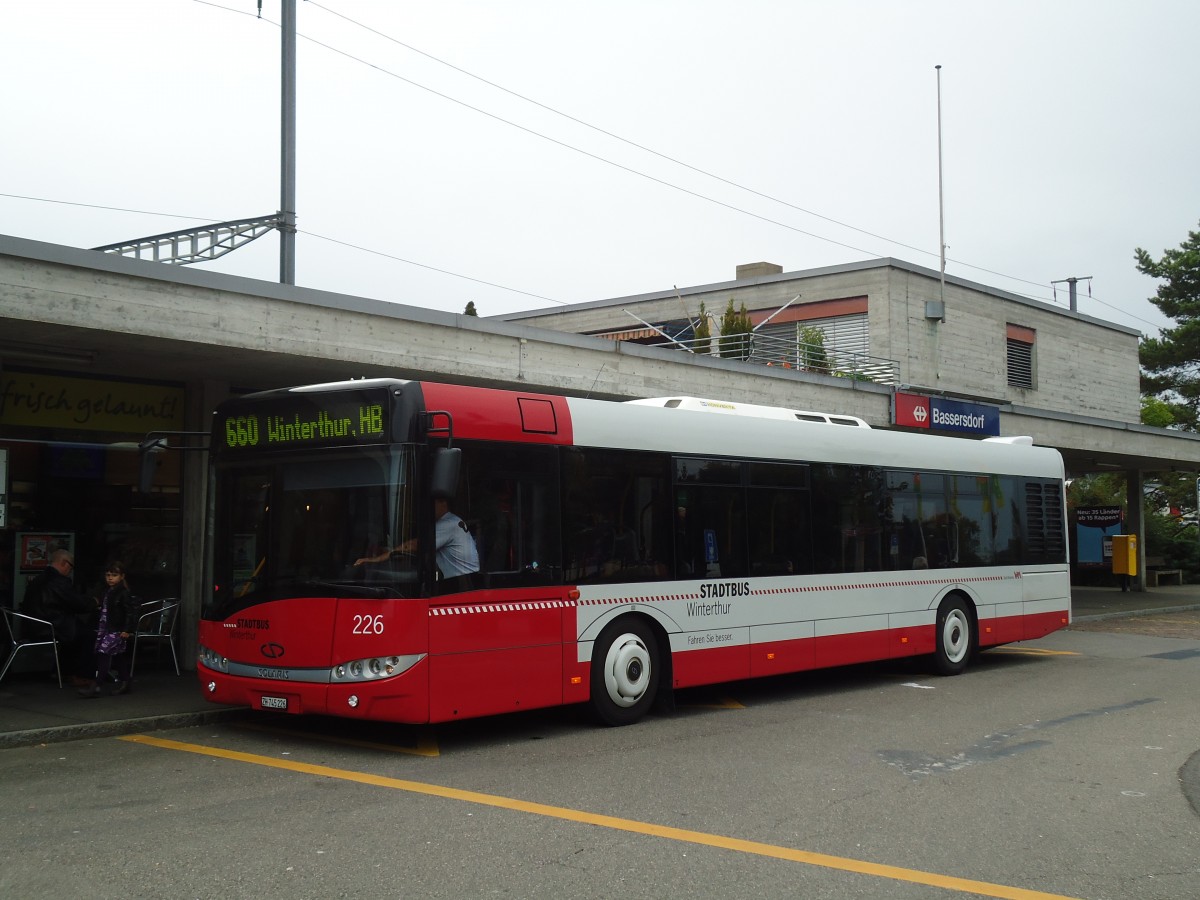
column 536, row 152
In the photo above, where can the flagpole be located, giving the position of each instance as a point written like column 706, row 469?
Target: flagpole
column 941, row 201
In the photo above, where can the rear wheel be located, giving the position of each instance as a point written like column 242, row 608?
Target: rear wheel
column 625, row 672
column 955, row 637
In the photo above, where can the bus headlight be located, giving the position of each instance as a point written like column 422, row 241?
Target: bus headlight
column 373, row 668
column 211, row 659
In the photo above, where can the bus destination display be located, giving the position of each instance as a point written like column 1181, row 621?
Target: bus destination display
column 292, row 422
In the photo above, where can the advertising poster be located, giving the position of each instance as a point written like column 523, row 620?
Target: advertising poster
column 32, row 554
column 34, row 549
column 1094, row 528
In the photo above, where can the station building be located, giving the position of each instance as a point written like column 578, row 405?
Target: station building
column 97, row 351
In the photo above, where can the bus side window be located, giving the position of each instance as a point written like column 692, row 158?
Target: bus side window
column 778, row 523
column 710, row 505
column 851, row 527
column 617, row 524
column 508, row 496
column 780, row 542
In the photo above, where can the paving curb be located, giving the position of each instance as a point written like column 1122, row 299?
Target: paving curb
column 82, row 730
column 1126, row 613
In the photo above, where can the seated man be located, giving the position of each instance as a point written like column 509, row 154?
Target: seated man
column 51, row 595
column 457, row 557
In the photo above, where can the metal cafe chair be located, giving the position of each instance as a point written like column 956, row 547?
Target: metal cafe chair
column 19, row 625
column 157, row 624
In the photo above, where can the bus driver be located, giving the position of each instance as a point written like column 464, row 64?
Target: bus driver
column 457, row 556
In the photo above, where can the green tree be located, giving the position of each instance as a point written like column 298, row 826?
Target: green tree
column 1097, row 489
column 1157, row 413
column 735, row 332
column 470, row 310
column 1171, row 361
column 1171, row 397
column 813, row 355
column 1170, row 525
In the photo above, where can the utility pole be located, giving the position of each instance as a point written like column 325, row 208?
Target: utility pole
column 287, row 133
column 209, row 242
column 1071, row 282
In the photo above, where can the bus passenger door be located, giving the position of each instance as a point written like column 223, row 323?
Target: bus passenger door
column 495, row 652
column 498, row 647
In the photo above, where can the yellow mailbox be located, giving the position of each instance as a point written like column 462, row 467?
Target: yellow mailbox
column 1124, row 554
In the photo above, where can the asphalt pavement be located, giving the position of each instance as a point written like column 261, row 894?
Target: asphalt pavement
column 35, row 710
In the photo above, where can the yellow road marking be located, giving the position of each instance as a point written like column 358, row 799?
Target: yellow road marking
column 1031, row 651
column 719, row 703
column 843, row 864
column 426, row 743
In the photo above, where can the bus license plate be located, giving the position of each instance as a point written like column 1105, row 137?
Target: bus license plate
column 273, row 702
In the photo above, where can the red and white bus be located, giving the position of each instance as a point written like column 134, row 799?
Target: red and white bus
column 625, row 549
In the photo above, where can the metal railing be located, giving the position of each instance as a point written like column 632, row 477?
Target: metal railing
column 779, row 352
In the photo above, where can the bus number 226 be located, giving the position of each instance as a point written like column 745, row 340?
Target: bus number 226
column 368, row 624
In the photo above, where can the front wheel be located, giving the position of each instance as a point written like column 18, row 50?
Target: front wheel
column 955, row 637
column 625, row 672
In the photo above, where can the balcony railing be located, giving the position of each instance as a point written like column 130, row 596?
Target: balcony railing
column 778, row 352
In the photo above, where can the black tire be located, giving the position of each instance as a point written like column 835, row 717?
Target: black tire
column 954, row 639
column 625, row 672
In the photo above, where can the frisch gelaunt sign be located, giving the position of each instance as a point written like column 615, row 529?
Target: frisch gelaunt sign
column 47, row 400
column 942, row 414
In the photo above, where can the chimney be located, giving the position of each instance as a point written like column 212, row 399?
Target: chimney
column 757, row 270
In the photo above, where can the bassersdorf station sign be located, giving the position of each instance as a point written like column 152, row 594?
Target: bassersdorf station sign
column 942, row 414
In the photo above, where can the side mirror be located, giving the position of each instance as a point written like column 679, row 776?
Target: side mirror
column 443, row 481
column 148, row 451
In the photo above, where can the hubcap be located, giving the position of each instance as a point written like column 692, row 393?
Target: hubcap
column 956, row 636
column 627, row 670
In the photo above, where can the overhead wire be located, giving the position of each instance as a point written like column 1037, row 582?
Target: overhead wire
column 429, row 267
column 140, row 212
column 630, row 170
column 595, row 156
column 314, row 3
column 598, row 158
column 214, row 220
column 579, row 150
column 614, row 136
column 211, row 220
column 667, row 157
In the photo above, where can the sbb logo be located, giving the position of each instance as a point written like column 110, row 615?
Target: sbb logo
column 913, row 410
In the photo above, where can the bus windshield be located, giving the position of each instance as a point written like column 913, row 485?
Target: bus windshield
column 294, row 526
